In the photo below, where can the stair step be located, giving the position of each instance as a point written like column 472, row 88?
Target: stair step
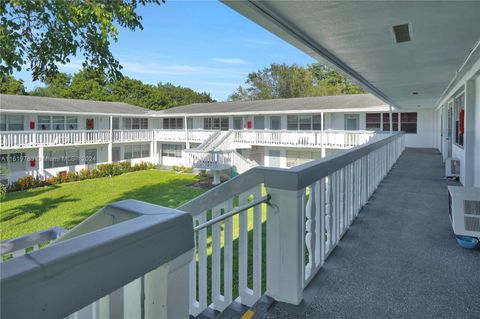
column 261, row 307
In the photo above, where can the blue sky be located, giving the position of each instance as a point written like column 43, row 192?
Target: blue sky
column 203, row 45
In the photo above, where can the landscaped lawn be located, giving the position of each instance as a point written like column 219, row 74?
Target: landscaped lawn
column 66, row 205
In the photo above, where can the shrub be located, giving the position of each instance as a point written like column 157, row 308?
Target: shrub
column 84, row 174
column 26, row 182
column 3, row 191
column 51, row 180
column 182, row 169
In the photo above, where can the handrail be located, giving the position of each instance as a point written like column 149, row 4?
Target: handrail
column 264, row 199
column 294, row 178
column 25, row 241
column 96, row 263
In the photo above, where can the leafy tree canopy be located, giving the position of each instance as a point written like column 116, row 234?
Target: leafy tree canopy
column 287, row 81
column 92, row 84
column 10, row 85
column 43, row 34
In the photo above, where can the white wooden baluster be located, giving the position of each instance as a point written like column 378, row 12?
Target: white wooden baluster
column 257, row 246
column 132, row 299
column 199, row 303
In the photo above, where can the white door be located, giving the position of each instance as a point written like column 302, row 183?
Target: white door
column 352, row 122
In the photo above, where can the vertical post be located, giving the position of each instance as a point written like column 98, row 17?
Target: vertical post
column 41, row 162
column 285, row 246
column 110, row 142
column 322, row 146
column 390, row 118
column 187, row 143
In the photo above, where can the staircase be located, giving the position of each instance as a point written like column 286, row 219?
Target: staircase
column 238, row 311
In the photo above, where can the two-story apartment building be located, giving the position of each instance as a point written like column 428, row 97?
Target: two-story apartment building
column 43, row 136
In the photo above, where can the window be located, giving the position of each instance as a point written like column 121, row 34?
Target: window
column 135, row 123
column 275, row 122
column 13, row 122
column 237, row 123
column 292, row 122
column 189, row 123
column 72, row 122
column 459, row 119
column 137, row 151
column 16, row 162
column 91, row 156
column 115, row 123
column 116, row 154
column 386, row 121
column 304, row 122
column 173, row 123
column 172, row 150
column 215, row 123
column 259, row 122
column 408, row 122
column 351, row 122
column 61, row 158
column 373, row 121
column 316, row 122
column 58, row 123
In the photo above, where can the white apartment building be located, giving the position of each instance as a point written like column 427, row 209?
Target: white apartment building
column 43, row 136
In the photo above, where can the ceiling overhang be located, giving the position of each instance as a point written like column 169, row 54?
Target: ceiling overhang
column 357, row 38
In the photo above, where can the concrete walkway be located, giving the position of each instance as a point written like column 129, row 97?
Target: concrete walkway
column 399, row 259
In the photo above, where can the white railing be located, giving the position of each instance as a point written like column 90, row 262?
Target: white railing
column 326, row 194
column 19, row 246
column 329, row 138
column 89, row 272
column 208, row 159
column 310, row 207
column 133, row 136
column 52, row 138
column 199, row 136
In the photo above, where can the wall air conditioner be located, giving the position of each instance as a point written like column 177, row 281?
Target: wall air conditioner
column 452, row 167
column 465, row 210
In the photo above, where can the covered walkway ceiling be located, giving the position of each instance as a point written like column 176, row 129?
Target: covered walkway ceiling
column 358, row 38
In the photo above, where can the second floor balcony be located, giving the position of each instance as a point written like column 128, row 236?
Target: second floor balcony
column 240, row 138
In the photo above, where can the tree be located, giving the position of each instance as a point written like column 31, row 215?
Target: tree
column 10, row 85
column 287, row 81
column 91, row 84
column 46, row 33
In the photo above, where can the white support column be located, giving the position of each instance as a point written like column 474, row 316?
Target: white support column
column 41, row 163
column 322, row 147
column 187, row 143
column 390, row 118
column 285, row 246
column 110, row 142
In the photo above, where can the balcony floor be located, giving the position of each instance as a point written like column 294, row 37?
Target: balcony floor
column 399, row 259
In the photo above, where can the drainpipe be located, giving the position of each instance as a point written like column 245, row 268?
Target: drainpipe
column 390, row 118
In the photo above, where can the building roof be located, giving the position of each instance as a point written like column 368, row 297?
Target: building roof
column 352, row 101
column 38, row 104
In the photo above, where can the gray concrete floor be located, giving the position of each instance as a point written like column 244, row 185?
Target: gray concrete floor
column 399, row 259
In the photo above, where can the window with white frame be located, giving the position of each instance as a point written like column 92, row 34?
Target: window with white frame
column 173, row 123
column 12, row 162
column 381, row 122
column 135, row 123
column 57, row 122
column 215, row 123
column 116, row 155
column 304, row 122
column 172, row 150
column 11, row 122
column 61, row 158
column 136, row 151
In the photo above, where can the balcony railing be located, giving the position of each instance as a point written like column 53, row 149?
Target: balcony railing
column 310, row 208
column 21, row 139
column 330, row 139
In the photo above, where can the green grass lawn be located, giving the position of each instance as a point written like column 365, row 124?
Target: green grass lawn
column 66, row 205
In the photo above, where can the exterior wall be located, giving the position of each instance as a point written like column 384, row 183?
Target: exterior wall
column 426, row 124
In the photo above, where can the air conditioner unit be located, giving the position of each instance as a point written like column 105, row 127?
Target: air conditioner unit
column 465, row 210
column 452, row 167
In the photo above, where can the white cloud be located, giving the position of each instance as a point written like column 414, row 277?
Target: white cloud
column 231, row 61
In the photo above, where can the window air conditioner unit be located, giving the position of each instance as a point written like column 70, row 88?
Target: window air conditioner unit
column 465, row 210
column 452, row 167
